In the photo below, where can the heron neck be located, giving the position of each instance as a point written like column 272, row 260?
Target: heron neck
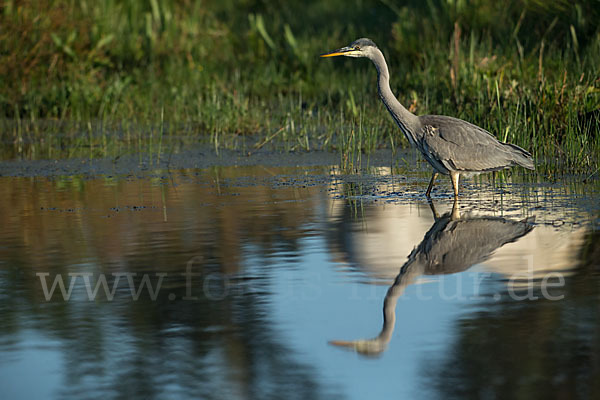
column 407, row 121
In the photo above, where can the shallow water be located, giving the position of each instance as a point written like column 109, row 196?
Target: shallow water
column 264, row 278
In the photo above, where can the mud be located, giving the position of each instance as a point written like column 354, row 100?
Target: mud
column 199, row 157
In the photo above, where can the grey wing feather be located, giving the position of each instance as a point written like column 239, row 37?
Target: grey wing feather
column 462, row 146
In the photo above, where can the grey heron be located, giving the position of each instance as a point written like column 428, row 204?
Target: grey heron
column 452, row 146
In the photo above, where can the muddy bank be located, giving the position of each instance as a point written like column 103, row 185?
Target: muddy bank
column 197, row 157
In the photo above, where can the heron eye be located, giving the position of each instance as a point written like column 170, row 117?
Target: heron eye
column 356, row 48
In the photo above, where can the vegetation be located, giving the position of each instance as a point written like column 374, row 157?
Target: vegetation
column 106, row 77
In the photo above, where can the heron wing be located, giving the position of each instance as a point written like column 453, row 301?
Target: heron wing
column 462, row 146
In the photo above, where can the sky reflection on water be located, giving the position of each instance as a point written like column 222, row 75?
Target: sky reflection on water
column 285, row 260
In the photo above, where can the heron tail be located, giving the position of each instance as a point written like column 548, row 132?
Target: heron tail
column 521, row 156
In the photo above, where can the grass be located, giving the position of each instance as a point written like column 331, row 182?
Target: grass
column 101, row 78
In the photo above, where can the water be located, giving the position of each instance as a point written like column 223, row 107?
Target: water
column 257, row 273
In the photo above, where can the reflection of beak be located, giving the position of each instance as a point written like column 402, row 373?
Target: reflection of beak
column 344, row 51
column 368, row 348
column 343, row 343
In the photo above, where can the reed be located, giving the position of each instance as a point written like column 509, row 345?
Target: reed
column 100, row 78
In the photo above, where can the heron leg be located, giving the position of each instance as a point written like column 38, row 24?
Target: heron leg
column 433, row 176
column 454, row 177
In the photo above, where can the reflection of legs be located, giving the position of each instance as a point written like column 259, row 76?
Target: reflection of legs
column 454, row 178
column 436, row 216
column 455, row 215
column 433, row 176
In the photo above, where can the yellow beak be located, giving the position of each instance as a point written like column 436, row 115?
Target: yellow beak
column 332, row 54
column 344, row 51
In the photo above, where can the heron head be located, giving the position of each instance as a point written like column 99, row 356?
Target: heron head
column 359, row 48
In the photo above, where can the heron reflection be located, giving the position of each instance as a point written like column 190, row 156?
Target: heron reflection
column 452, row 244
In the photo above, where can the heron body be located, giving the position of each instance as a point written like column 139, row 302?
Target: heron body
column 452, row 146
